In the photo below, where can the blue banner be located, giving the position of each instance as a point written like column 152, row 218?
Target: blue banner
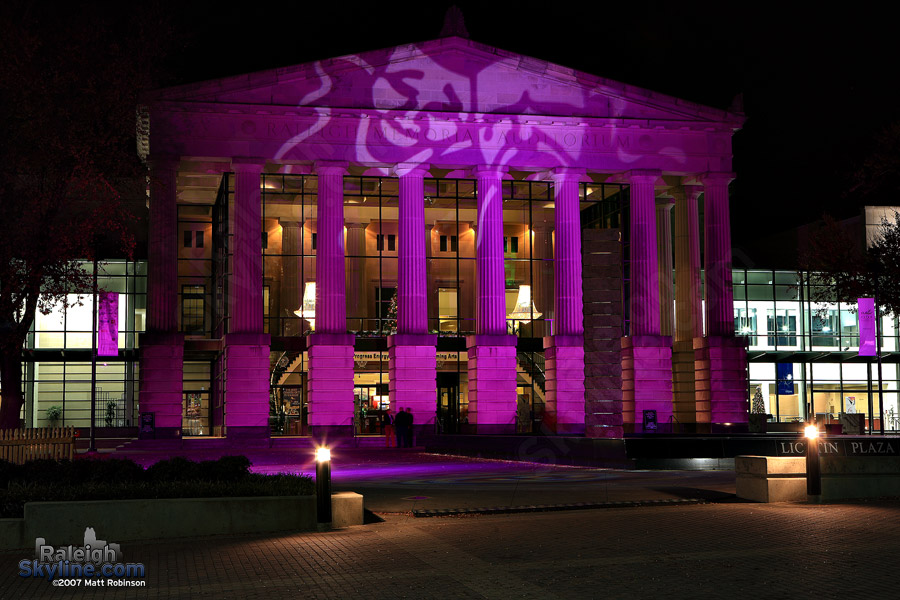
column 784, row 373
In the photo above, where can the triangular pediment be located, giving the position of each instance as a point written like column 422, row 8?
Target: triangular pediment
column 450, row 75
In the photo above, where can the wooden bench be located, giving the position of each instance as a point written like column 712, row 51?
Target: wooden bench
column 21, row 445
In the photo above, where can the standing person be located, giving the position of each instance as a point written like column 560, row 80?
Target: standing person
column 400, row 428
column 387, row 426
column 409, row 427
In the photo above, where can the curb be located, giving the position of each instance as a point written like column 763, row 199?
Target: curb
column 499, row 510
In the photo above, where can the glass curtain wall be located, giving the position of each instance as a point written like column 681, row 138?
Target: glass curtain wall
column 57, row 365
column 804, row 355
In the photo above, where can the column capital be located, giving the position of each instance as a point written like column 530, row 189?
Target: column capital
column 692, row 191
column 643, row 176
column 330, row 167
column 350, row 225
column 485, row 170
column 713, row 178
column 568, row 174
column 247, row 164
column 410, row 170
column 665, row 202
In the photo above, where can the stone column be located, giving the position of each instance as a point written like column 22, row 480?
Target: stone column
column 491, row 351
column 162, row 346
column 411, row 351
column 356, row 273
column 664, row 258
column 646, row 353
column 688, row 313
column 291, row 294
column 564, row 350
column 330, row 347
column 246, row 346
column 432, row 290
column 720, row 357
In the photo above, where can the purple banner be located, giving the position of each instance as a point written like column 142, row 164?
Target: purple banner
column 867, row 330
column 108, row 324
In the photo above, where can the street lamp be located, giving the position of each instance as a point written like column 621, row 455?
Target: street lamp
column 323, row 485
column 813, row 474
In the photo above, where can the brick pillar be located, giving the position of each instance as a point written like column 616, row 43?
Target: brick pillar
column 602, row 285
column 411, row 352
column 688, row 313
column 162, row 346
column 564, row 351
column 246, row 346
column 491, row 351
column 330, row 347
column 720, row 357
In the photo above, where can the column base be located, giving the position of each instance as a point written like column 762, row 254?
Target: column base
column 331, row 384
column 720, row 374
column 411, row 377
column 492, row 383
column 684, row 401
column 161, row 383
column 646, row 379
column 564, row 407
column 246, row 384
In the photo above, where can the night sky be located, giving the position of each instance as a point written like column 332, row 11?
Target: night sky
column 817, row 85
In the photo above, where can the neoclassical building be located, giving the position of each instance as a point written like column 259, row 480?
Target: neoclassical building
column 486, row 238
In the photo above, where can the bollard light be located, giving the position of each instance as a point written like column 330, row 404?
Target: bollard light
column 813, row 474
column 323, row 485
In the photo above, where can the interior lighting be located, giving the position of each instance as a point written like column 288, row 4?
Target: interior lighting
column 524, row 311
column 308, row 308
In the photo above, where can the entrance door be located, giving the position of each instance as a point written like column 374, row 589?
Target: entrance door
column 448, row 402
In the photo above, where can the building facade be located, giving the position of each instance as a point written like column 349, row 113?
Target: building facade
column 405, row 225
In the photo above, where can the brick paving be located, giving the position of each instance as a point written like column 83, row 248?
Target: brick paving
column 691, row 551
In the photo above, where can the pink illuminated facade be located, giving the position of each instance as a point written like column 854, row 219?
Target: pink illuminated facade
column 409, row 227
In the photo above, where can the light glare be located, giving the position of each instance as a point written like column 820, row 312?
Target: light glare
column 323, row 454
column 811, row 432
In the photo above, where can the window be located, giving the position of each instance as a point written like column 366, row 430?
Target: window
column 193, row 309
column 510, row 245
column 454, row 247
column 454, row 243
column 198, row 237
column 313, row 241
column 384, row 298
column 265, row 240
column 443, row 243
column 392, row 243
column 379, row 242
column 188, row 238
column 781, row 326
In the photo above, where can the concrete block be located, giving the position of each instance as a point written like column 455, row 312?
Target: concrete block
column 347, row 509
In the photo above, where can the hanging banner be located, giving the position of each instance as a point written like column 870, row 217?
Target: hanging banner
column 784, row 373
column 108, row 324
column 867, row 331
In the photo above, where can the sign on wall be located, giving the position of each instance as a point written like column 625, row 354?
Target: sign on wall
column 108, row 324
column 868, row 345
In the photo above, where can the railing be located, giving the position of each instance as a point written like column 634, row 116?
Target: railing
column 20, row 445
column 534, row 365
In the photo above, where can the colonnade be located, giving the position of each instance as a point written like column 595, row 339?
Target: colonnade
column 647, row 350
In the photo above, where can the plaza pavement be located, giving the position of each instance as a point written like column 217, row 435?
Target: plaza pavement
column 723, row 548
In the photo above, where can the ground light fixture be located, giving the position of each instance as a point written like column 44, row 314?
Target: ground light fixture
column 813, row 474
column 323, row 485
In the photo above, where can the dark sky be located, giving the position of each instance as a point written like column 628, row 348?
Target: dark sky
column 817, row 84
